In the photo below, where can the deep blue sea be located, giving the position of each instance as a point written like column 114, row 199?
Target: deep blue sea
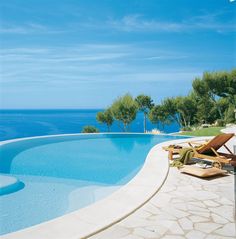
column 26, row 123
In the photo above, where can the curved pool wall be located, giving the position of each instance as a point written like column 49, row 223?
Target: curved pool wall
column 113, row 160
column 9, row 184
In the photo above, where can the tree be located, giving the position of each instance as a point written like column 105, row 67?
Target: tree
column 230, row 115
column 90, row 129
column 206, row 111
column 216, row 85
column 145, row 104
column 105, row 118
column 124, row 110
column 170, row 108
column 158, row 115
column 231, row 88
column 186, row 107
column 154, row 115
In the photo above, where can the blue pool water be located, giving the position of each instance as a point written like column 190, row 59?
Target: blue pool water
column 62, row 174
column 26, row 123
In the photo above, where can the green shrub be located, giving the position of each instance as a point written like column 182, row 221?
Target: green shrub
column 220, row 123
column 187, row 128
column 90, row 129
column 230, row 115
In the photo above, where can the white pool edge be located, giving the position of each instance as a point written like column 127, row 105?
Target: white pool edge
column 96, row 217
column 85, row 134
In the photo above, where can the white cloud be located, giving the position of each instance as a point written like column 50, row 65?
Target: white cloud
column 130, row 23
column 138, row 23
column 28, row 28
column 167, row 57
column 82, row 63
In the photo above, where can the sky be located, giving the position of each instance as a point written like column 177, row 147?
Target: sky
column 86, row 53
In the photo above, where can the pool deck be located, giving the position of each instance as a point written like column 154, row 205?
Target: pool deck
column 185, row 207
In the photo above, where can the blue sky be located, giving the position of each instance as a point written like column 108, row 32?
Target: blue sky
column 83, row 54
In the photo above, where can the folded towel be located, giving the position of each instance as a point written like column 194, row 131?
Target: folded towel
column 186, row 155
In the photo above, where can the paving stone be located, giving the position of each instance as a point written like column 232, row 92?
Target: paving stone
column 198, row 204
column 227, row 230
column 186, row 224
column 202, row 214
column 226, row 201
column 198, row 219
column 183, row 196
column 176, row 200
column 159, row 229
column 218, row 219
column 224, row 211
column 170, row 225
column 162, row 216
column 131, row 237
column 196, row 208
column 203, row 195
column 195, row 235
column 206, row 227
column 211, row 203
column 176, row 229
column 210, row 188
column 146, row 233
column 181, row 206
column 162, row 200
column 211, row 236
column 186, row 189
column 173, row 237
column 137, row 222
column 176, row 212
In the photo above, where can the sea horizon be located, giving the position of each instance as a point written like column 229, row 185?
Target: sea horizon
column 52, row 109
column 18, row 123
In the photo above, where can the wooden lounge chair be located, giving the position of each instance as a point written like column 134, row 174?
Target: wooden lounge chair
column 172, row 150
column 209, row 150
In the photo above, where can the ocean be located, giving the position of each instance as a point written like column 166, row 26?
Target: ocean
column 26, row 123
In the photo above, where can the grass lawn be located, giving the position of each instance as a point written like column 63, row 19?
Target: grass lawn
column 211, row 131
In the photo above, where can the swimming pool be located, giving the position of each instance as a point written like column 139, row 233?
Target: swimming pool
column 64, row 173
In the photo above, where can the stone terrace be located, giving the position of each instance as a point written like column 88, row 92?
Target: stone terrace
column 185, row 207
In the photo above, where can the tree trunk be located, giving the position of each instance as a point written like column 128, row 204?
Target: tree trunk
column 125, row 127
column 144, row 122
column 177, row 119
column 217, row 107
column 185, row 123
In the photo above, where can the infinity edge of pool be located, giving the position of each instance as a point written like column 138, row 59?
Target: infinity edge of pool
column 98, row 216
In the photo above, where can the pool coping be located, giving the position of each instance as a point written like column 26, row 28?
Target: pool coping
column 87, row 134
column 102, row 214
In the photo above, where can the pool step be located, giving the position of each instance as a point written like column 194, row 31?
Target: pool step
column 9, row 184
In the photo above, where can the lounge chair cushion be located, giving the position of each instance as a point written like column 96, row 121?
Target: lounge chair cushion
column 201, row 172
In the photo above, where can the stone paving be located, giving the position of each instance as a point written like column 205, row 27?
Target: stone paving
column 185, row 207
